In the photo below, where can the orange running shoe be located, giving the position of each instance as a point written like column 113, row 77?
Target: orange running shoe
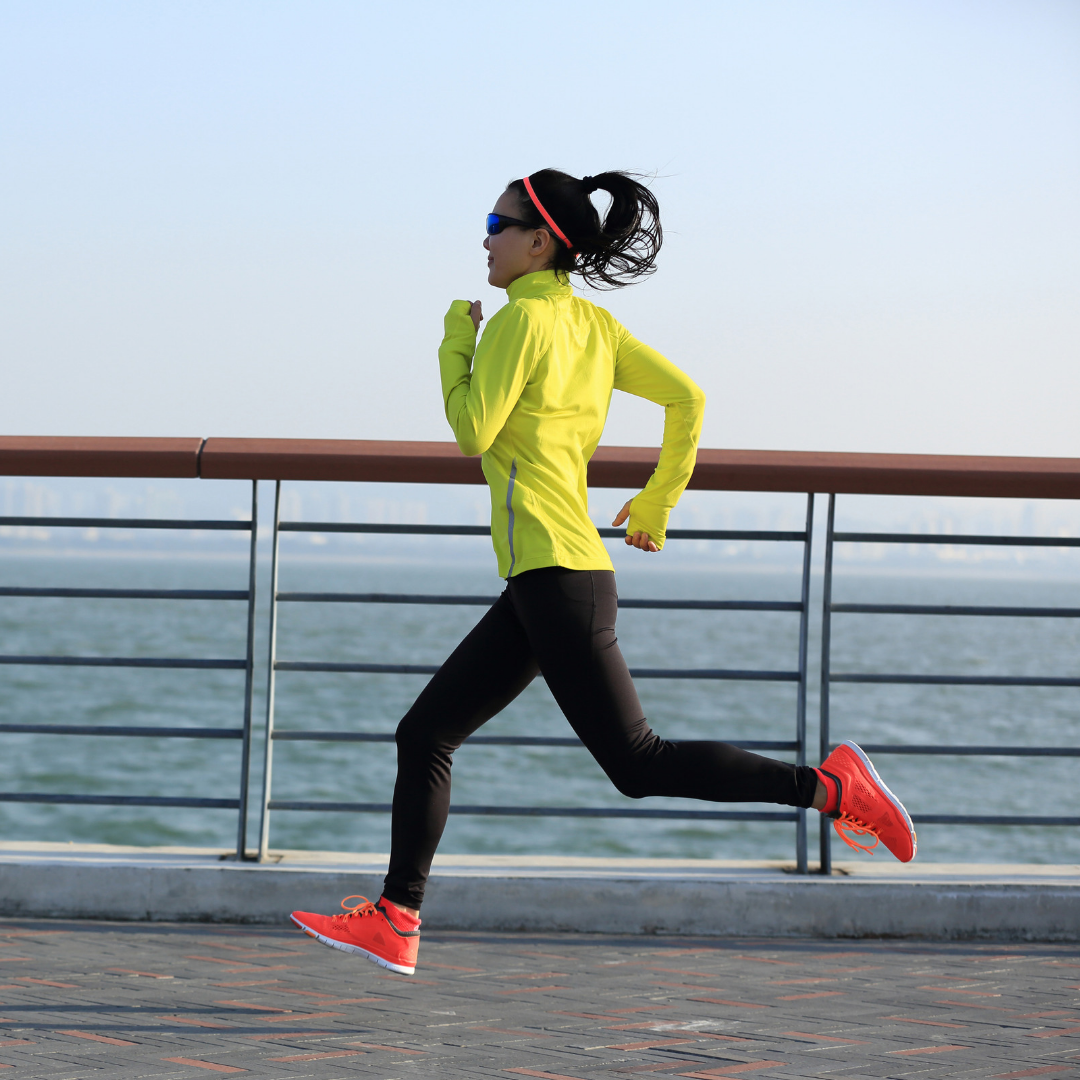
column 866, row 807
column 366, row 929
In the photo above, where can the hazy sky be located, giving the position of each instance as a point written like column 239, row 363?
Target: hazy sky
column 237, row 218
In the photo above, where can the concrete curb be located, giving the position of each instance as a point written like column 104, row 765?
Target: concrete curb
column 629, row 896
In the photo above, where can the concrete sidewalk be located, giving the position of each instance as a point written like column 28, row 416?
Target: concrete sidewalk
column 880, row 898
column 177, row 1002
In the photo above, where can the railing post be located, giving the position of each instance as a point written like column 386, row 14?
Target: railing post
column 268, row 747
column 249, row 679
column 826, row 645
column 800, row 700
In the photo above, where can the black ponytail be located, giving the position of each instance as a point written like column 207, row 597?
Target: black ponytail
column 606, row 254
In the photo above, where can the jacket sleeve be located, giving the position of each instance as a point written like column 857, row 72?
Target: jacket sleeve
column 481, row 382
column 643, row 372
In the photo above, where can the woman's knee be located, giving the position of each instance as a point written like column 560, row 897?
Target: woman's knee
column 629, row 778
column 637, row 774
column 418, row 739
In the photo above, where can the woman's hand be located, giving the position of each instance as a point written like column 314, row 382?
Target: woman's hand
column 476, row 314
column 639, row 539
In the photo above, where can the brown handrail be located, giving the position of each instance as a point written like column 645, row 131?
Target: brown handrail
column 339, row 459
column 22, row 455
column 612, row 466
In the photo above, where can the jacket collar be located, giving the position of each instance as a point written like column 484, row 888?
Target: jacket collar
column 542, row 283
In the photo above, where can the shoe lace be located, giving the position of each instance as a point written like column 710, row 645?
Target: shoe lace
column 366, row 907
column 847, row 826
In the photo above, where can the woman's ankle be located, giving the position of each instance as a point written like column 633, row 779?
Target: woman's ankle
column 413, row 913
column 827, row 795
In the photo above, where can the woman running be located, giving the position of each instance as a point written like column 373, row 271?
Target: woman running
column 532, row 397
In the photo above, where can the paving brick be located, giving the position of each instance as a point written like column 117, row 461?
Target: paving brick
column 154, row 1000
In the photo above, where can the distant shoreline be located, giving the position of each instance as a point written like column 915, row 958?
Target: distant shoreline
column 989, row 570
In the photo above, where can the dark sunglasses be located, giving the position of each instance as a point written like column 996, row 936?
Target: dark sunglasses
column 497, row 222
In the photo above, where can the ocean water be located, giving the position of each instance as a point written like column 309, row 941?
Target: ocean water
column 530, row 776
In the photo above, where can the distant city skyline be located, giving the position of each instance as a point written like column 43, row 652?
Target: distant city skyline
column 247, row 219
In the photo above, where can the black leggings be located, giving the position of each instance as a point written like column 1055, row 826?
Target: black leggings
column 561, row 624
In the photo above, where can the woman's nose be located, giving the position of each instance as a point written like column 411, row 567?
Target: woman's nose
column 487, row 246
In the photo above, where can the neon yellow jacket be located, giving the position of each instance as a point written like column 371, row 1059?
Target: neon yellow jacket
column 532, row 397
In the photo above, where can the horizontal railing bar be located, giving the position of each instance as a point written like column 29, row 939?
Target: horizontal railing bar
column 382, row 529
column 117, row 800
column 127, row 594
column 123, row 661
column 625, row 467
column 487, row 601
column 135, row 732
column 637, row 673
column 958, row 538
column 383, row 598
column 364, row 669
column 128, row 523
column 388, row 737
column 956, row 680
column 990, row 819
column 715, row 673
column 547, row 811
column 778, row 535
column 972, row 751
column 487, row 740
column 956, row 609
column 400, row 529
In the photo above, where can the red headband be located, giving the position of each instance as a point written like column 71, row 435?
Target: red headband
column 545, row 215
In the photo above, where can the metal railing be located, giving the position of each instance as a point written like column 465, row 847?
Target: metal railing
column 273, row 734
column 245, row 664
column 830, row 677
column 613, row 467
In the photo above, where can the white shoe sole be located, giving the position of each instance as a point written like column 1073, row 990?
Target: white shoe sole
column 400, row 969
column 897, row 804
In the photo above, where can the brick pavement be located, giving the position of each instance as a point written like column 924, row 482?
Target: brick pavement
column 82, row 999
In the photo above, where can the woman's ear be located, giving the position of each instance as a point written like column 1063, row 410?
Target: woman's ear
column 542, row 244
